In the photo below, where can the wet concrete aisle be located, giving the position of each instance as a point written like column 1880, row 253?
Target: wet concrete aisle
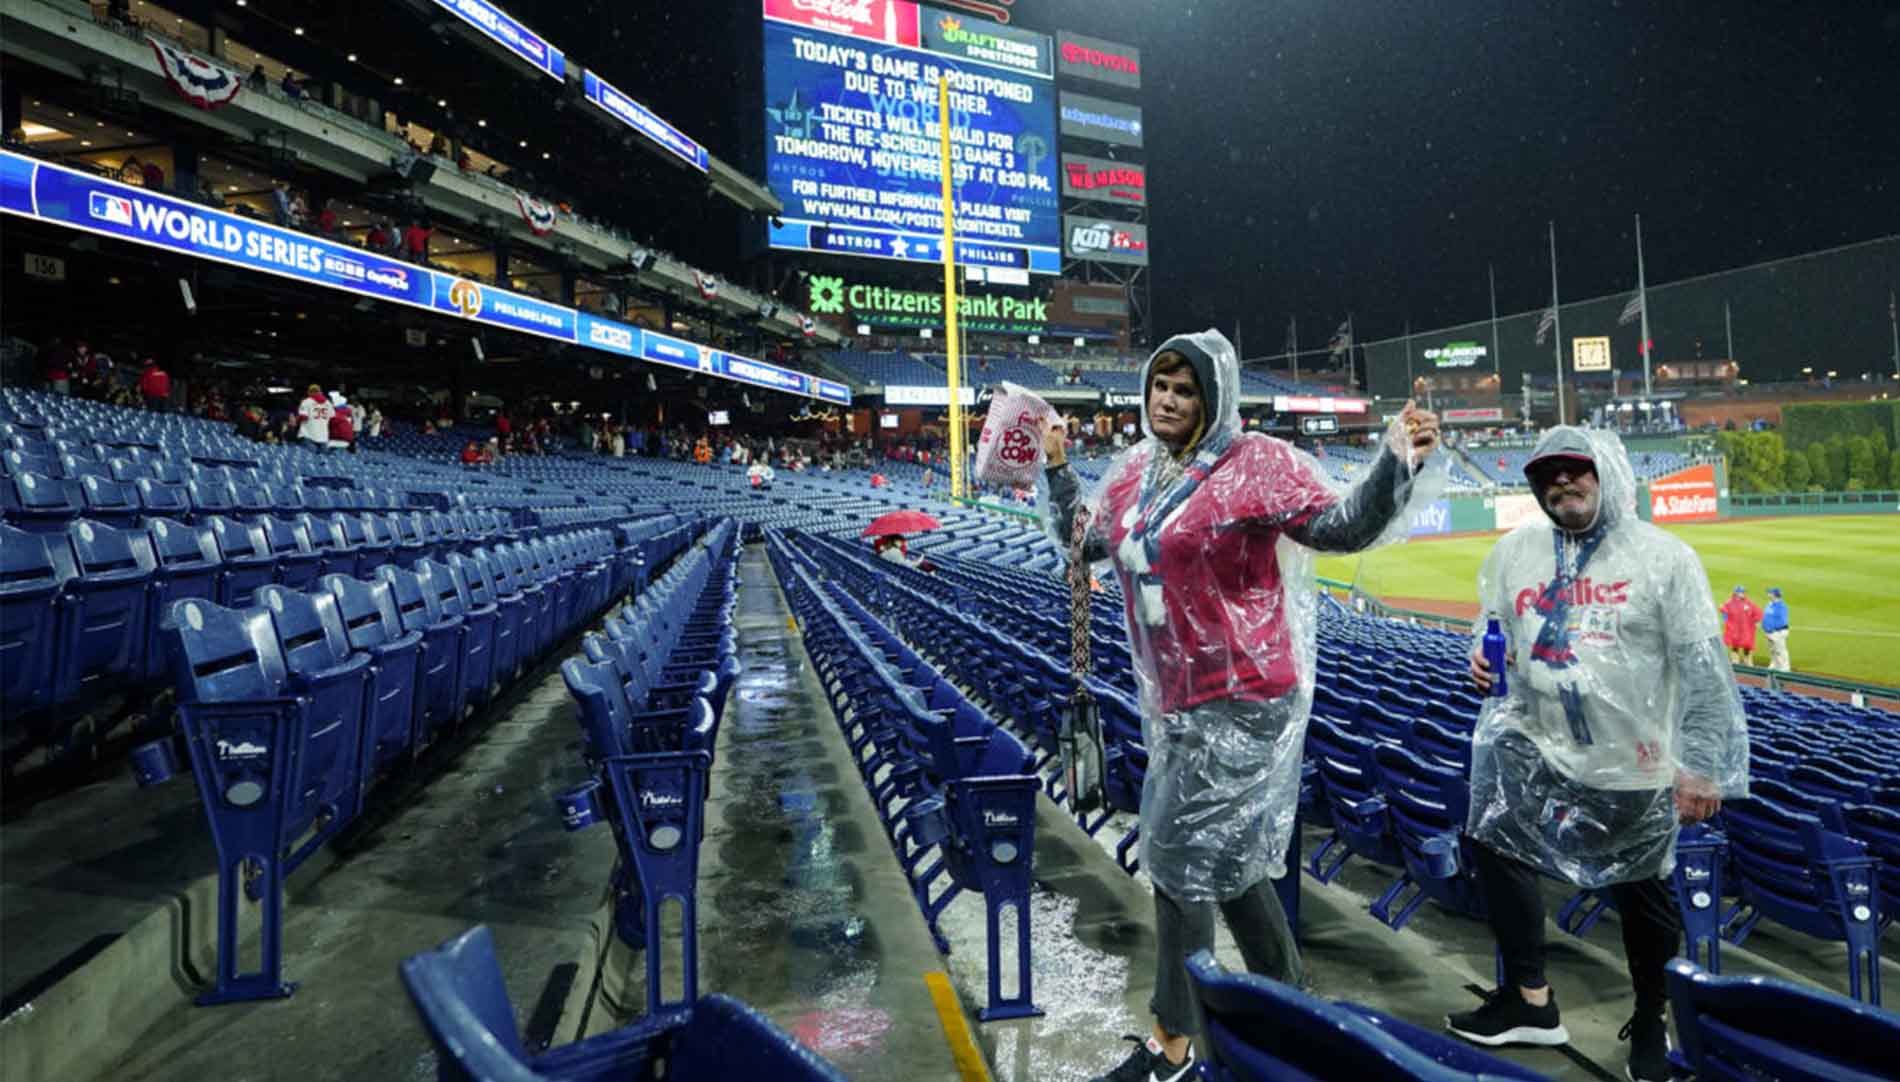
column 804, row 912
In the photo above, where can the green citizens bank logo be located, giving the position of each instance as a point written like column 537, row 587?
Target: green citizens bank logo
column 916, row 308
column 827, row 295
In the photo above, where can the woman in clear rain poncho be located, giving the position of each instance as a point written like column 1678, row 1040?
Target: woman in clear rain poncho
column 1204, row 525
column 1622, row 719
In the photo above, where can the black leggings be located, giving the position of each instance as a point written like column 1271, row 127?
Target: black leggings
column 1259, row 925
column 1652, row 926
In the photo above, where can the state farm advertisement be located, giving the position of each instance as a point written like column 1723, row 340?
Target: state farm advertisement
column 1685, row 496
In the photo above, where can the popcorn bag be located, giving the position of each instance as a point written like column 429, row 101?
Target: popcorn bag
column 1009, row 452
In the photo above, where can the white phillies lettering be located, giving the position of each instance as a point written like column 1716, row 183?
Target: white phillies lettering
column 243, row 749
column 994, row 818
column 1585, row 591
column 660, row 800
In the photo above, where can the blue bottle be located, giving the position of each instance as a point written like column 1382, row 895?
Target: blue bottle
column 1494, row 647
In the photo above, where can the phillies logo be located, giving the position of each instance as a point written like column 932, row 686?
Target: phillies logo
column 466, row 296
column 1585, row 591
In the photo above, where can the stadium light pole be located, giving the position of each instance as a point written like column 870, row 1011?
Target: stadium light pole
column 1893, row 328
column 953, row 359
column 1642, row 292
column 1497, row 354
column 1557, row 324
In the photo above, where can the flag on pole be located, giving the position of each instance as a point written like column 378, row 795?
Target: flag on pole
column 1631, row 311
column 1545, row 322
column 1342, row 339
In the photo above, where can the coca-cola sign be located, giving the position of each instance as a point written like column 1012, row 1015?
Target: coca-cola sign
column 1084, row 177
column 894, row 22
column 1103, row 61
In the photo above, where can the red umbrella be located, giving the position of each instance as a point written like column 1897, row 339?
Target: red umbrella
column 901, row 522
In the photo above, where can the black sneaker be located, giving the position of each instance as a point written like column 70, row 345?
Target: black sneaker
column 1147, row 1063
column 1506, row 1018
column 1648, row 1035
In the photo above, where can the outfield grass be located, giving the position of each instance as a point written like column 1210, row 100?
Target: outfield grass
column 1839, row 574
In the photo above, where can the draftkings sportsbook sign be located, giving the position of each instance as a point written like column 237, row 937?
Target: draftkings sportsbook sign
column 884, row 306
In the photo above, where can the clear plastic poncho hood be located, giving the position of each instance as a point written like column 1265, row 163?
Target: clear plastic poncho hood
column 1221, row 606
column 1617, row 681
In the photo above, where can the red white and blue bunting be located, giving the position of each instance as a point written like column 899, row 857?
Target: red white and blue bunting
column 200, row 82
column 539, row 216
column 708, row 285
column 808, row 325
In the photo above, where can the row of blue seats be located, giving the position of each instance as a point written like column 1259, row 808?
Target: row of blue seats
column 953, row 790
column 80, row 607
column 289, row 711
column 1729, row 1029
column 650, row 694
column 34, row 501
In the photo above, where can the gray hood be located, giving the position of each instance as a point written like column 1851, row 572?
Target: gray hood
column 1217, row 367
column 1616, row 478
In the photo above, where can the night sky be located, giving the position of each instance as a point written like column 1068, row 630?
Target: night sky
column 1313, row 157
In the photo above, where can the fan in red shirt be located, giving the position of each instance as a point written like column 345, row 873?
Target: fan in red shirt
column 155, row 385
column 1222, row 636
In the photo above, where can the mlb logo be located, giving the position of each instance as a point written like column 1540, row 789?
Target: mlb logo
column 112, row 208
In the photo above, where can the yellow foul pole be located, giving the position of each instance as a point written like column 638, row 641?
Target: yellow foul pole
column 955, row 360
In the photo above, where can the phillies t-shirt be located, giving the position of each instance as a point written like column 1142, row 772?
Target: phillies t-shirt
column 1642, row 592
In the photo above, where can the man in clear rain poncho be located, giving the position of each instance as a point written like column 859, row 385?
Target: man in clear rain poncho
column 1622, row 720
column 1205, row 526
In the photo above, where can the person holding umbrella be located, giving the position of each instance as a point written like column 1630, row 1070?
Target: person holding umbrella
column 1208, row 529
column 890, row 530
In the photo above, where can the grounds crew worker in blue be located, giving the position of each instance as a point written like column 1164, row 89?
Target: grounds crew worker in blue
column 1622, row 720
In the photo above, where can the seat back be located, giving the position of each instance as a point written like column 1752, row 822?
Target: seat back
column 109, row 633
column 223, row 655
column 367, row 610
column 463, row 1002
column 1256, row 1029
column 159, row 498
column 1745, row 1028
column 34, row 568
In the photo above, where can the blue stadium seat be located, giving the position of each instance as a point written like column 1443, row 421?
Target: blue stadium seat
column 1257, row 1030
column 107, row 608
column 374, row 626
column 34, row 570
column 108, row 501
column 439, row 687
column 335, row 554
column 332, row 681
column 188, row 567
column 270, row 765
column 158, row 499
column 298, row 562
column 474, row 573
column 1745, row 1029
column 463, row 1003
column 1804, row 872
column 478, row 626
column 34, row 501
column 248, row 561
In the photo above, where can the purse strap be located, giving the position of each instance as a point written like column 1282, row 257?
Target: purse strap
column 1079, row 600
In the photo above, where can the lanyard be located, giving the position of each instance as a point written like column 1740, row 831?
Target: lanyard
column 1552, row 648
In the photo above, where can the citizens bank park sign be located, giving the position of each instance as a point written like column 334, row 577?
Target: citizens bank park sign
column 882, row 306
column 1084, row 177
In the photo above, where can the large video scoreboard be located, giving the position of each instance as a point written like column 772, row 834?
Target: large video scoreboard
column 853, row 141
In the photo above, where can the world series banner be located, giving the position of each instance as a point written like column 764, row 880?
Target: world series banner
column 52, row 193
column 853, row 142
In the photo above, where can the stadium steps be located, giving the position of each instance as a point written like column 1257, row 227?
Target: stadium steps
column 804, row 913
